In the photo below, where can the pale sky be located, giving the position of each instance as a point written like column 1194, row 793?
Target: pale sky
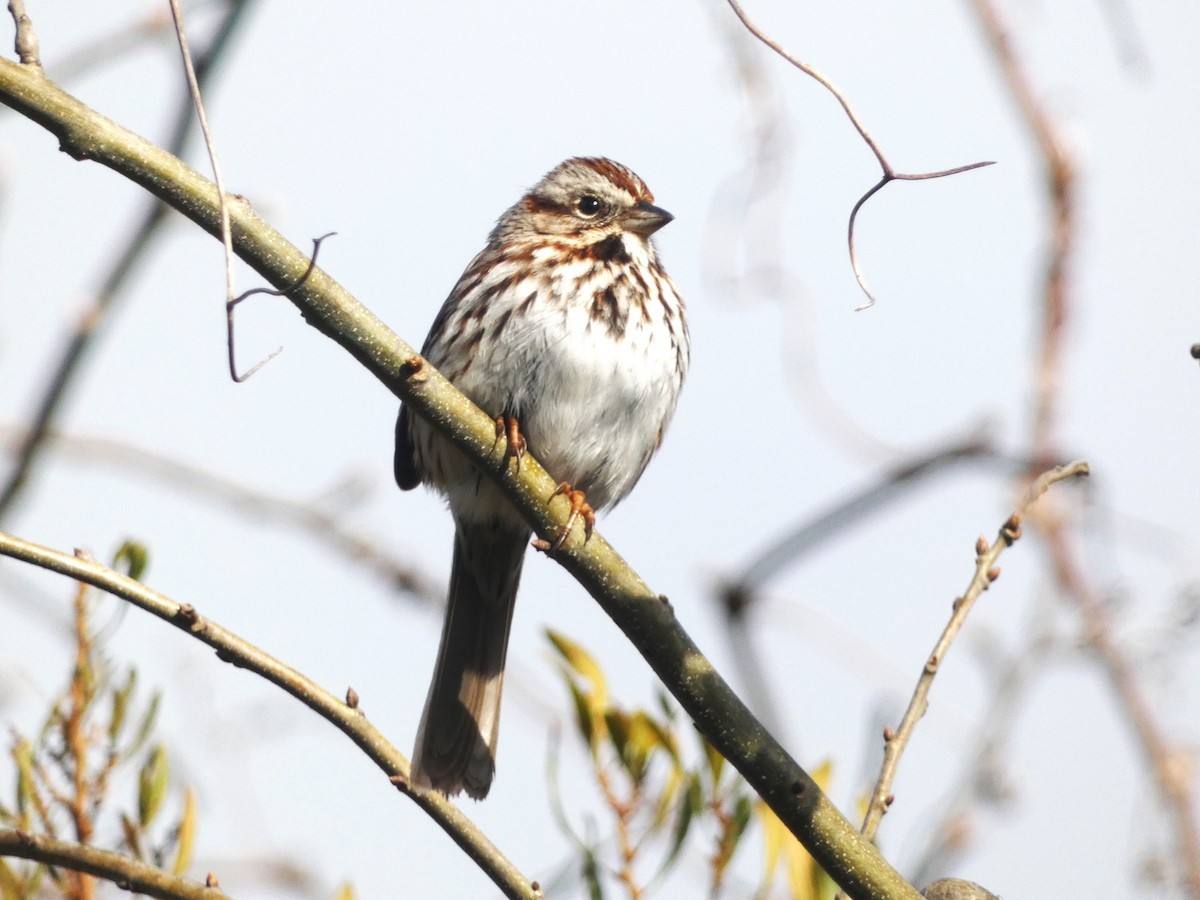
column 407, row 129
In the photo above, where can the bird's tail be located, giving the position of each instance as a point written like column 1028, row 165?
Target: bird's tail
column 456, row 741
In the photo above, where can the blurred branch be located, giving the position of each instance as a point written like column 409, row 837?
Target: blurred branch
column 739, row 593
column 1171, row 764
column 986, row 572
column 1059, row 165
column 645, row 618
column 125, row 263
column 120, row 870
column 889, row 174
column 323, row 525
column 346, row 717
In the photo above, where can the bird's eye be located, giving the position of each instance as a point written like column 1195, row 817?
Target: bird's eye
column 588, row 206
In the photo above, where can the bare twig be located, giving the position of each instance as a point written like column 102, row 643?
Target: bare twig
column 985, row 573
column 981, row 780
column 104, row 304
column 76, row 741
column 889, row 174
column 26, row 42
column 226, row 230
column 241, row 653
column 129, row 873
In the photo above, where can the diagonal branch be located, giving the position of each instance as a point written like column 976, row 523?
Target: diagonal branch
column 645, row 618
column 347, row 717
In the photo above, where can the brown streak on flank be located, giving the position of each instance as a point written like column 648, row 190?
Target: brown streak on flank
column 501, row 321
column 527, row 304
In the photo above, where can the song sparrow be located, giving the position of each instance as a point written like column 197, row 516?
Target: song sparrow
column 568, row 331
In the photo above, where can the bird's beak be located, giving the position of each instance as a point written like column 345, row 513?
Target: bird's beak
column 645, row 219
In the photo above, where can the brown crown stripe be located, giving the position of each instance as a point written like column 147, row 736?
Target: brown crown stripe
column 620, row 176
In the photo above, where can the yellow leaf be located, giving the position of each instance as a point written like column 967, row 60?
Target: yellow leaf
column 585, row 665
column 10, row 887
column 345, row 892
column 187, row 833
column 806, row 880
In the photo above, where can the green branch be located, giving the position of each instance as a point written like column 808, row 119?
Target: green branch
column 645, row 618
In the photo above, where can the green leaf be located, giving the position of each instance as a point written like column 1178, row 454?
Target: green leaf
column 152, row 785
column 134, row 558
column 120, row 706
column 618, row 725
column 144, row 728
column 591, row 875
column 26, row 783
column 691, row 801
column 583, row 715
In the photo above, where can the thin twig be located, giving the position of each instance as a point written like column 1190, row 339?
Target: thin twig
column 135, row 249
column 26, row 41
column 236, row 650
column 76, row 740
column 986, row 572
column 981, row 779
column 226, row 229
column 889, row 174
column 121, row 870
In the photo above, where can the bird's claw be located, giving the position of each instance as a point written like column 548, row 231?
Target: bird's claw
column 580, row 509
column 509, row 428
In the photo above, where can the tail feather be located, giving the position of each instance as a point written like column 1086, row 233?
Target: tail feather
column 456, row 740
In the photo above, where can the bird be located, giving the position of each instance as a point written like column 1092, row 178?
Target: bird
column 568, row 332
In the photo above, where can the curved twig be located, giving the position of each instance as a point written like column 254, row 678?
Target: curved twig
column 889, row 174
column 346, row 717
